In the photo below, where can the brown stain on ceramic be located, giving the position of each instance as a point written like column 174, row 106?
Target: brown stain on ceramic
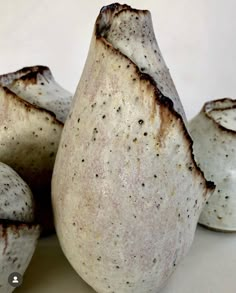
column 8, row 226
column 4, row 236
column 29, row 107
column 164, row 126
column 39, row 181
column 167, row 111
column 29, row 73
column 29, row 79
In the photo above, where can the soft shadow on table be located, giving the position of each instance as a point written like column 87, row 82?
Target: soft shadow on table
column 208, row 268
column 50, row 272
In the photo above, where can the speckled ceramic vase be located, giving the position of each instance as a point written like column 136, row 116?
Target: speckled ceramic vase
column 214, row 133
column 18, row 234
column 126, row 190
column 33, row 108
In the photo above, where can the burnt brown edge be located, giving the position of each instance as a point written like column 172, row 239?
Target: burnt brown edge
column 159, row 97
column 26, row 73
column 220, row 127
column 226, row 108
column 111, row 9
column 17, row 225
column 7, row 222
column 28, row 105
column 32, row 75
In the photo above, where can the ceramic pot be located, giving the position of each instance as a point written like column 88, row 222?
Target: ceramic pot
column 214, row 133
column 18, row 234
column 33, row 108
column 126, row 190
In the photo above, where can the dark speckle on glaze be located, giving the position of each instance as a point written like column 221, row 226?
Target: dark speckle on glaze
column 16, row 201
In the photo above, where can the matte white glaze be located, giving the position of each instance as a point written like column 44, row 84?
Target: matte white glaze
column 17, row 245
column 33, row 108
column 214, row 133
column 29, row 138
column 37, row 86
column 18, row 238
column 126, row 191
column 16, row 201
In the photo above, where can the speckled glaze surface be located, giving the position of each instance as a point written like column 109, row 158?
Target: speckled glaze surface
column 29, row 138
column 17, row 245
column 214, row 133
column 126, row 191
column 16, row 199
column 37, row 86
column 33, row 109
column 18, row 237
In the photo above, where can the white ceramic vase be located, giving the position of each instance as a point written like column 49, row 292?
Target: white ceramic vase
column 214, row 133
column 126, row 190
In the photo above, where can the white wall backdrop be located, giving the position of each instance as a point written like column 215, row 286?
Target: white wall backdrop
column 197, row 39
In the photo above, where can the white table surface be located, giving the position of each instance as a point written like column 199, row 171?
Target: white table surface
column 210, row 267
column 197, row 39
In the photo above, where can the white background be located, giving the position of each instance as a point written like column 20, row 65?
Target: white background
column 197, row 39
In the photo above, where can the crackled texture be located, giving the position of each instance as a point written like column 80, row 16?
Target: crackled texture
column 17, row 245
column 37, row 86
column 214, row 133
column 29, row 139
column 126, row 191
column 16, row 202
column 132, row 33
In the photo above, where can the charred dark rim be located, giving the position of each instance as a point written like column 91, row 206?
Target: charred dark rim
column 28, row 105
column 5, row 224
column 159, row 97
column 29, row 71
column 110, row 9
column 211, row 103
column 33, row 75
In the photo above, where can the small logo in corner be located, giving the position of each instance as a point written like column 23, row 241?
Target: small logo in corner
column 15, row 279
